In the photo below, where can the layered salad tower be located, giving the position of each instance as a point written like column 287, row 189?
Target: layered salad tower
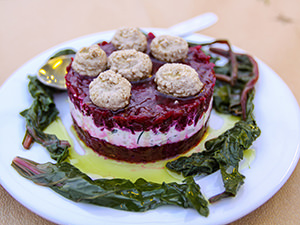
column 140, row 98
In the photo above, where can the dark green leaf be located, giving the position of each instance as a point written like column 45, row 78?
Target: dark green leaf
column 223, row 152
column 197, row 164
column 227, row 98
column 43, row 110
column 41, row 113
column 58, row 150
column 122, row 194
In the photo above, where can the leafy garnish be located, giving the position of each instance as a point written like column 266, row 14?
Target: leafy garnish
column 122, row 194
column 231, row 97
column 223, row 152
column 234, row 80
column 41, row 113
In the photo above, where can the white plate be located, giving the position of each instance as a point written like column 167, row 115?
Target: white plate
column 277, row 153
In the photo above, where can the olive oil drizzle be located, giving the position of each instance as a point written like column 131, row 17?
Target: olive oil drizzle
column 98, row 166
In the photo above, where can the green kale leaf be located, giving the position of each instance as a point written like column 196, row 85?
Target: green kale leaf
column 117, row 193
column 41, row 113
column 223, row 152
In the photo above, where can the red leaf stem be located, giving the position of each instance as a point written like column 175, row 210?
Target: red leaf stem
column 249, row 86
column 229, row 54
column 25, row 166
column 27, row 141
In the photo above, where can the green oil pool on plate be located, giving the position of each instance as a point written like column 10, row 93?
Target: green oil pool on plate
column 98, row 166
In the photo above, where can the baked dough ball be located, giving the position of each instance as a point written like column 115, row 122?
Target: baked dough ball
column 129, row 38
column 110, row 90
column 169, row 48
column 178, row 80
column 131, row 64
column 90, row 61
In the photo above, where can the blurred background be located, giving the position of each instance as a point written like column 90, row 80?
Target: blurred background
column 267, row 29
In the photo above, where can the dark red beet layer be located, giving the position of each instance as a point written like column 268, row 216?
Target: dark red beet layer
column 141, row 154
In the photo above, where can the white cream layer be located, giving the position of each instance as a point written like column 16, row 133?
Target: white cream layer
column 127, row 139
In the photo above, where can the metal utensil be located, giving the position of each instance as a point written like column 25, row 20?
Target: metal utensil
column 53, row 72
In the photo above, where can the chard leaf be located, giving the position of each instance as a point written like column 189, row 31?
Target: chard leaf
column 196, row 164
column 223, row 152
column 58, row 149
column 121, row 194
column 41, row 113
column 227, row 97
column 43, row 110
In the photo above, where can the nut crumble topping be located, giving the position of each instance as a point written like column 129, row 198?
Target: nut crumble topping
column 131, row 64
column 169, row 48
column 178, row 80
column 110, row 90
column 90, row 61
column 129, row 38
